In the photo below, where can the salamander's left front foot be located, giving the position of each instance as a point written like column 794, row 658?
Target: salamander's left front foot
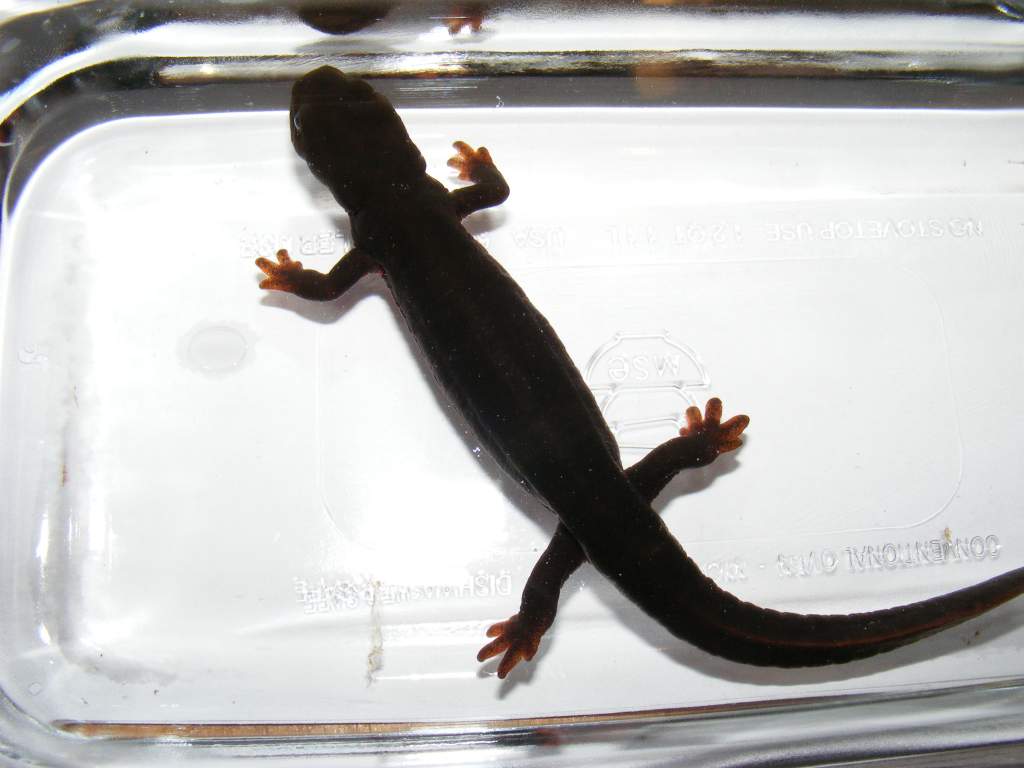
column 489, row 186
column 518, row 638
column 284, row 275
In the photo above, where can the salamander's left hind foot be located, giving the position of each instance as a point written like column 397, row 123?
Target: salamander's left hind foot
column 518, row 638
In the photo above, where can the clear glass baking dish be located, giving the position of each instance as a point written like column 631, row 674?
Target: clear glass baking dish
column 234, row 524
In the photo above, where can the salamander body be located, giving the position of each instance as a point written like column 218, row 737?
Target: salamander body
column 501, row 363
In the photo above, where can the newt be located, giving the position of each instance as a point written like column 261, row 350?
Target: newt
column 503, row 366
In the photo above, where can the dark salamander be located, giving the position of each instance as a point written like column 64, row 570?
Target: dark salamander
column 504, row 367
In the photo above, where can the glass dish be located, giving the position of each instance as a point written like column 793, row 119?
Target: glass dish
column 237, row 524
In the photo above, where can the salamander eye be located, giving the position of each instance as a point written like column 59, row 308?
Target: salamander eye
column 297, row 122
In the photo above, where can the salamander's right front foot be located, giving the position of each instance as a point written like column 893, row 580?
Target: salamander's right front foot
column 472, row 164
column 714, row 435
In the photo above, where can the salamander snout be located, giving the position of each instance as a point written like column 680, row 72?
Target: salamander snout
column 327, row 85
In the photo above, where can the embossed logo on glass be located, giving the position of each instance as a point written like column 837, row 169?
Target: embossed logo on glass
column 644, row 382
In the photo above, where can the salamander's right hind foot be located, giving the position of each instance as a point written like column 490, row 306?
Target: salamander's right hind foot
column 704, row 438
column 713, row 436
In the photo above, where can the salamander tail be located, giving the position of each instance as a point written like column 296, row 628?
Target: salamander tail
column 655, row 572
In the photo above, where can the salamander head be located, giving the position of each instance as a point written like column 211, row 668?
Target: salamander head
column 351, row 137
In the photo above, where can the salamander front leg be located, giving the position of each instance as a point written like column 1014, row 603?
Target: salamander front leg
column 489, row 186
column 704, row 438
column 289, row 276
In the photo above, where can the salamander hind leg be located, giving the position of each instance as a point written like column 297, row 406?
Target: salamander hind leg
column 489, row 186
column 704, row 438
column 517, row 637
column 701, row 441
